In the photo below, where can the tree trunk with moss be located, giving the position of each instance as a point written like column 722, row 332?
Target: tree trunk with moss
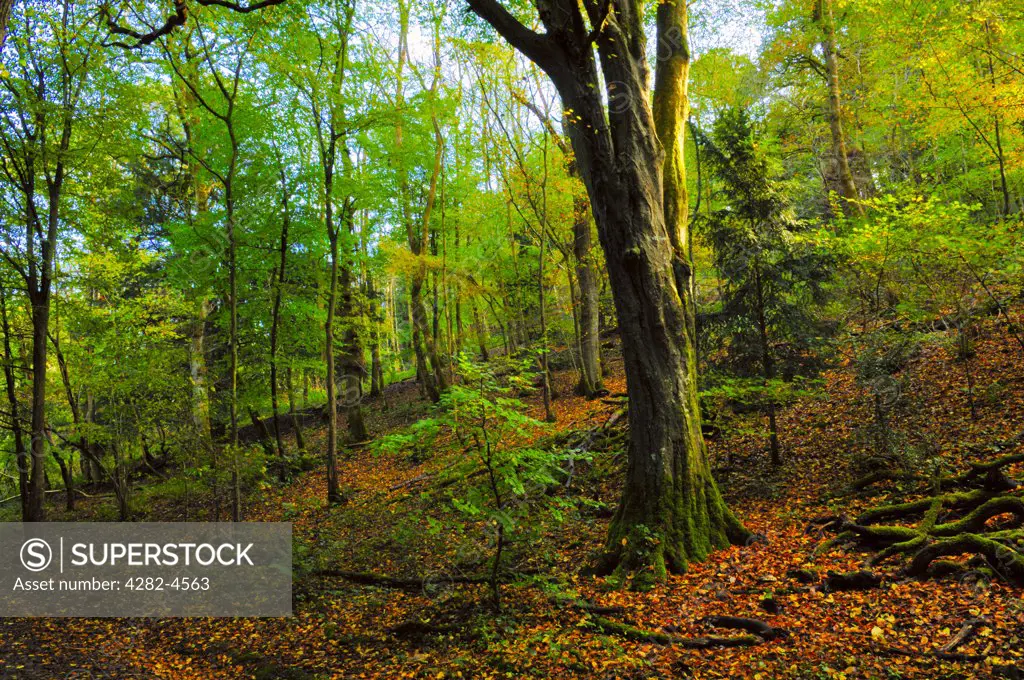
column 671, row 511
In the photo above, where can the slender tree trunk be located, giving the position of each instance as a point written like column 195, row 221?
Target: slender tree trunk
column 67, row 475
column 333, row 487
column 229, row 200
column 824, row 18
column 768, row 368
column 67, row 470
column 591, row 382
column 549, row 415
column 275, row 321
column 352, row 362
column 481, row 336
column 417, row 241
column 12, row 401
column 300, row 443
column 197, row 370
column 997, row 124
column 37, row 482
column 376, row 368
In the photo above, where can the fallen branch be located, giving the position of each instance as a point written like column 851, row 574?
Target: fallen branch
column 967, row 632
column 877, row 476
column 887, row 650
column 752, row 626
column 369, row 579
column 77, row 491
column 639, row 635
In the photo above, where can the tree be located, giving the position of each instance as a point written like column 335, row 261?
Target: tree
column 671, row 511
column 221, row 101
column 428, row 364
column 591, row 383
column 46, row 93
column 322, row 89
column 774, row 281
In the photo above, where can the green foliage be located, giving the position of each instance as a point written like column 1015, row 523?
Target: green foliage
column 774, row 278
column 767, row 328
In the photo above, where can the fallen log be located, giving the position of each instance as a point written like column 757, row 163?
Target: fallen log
column 887, row 650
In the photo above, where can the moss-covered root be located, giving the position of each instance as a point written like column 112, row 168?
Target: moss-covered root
column 975, row 521
column 901, row 548
column 1007, row 563
column 647, row 540
column 919, row 508
column 638, row 635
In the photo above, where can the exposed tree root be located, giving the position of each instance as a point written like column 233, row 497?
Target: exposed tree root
column 1006, row 562
column 955, row 520
column 854, row 580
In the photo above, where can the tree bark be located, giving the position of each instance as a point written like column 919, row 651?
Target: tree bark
column 352, row 362
column 5, row 20
column 671, row 511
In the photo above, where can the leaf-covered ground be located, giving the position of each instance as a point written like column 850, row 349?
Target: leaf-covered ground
column 398, row 523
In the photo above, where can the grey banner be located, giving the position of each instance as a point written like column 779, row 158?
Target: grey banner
column 146, row 569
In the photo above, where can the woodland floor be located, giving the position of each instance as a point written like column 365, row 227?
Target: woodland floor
column 443, row 629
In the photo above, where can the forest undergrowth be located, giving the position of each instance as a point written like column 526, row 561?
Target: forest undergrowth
column 385, row 587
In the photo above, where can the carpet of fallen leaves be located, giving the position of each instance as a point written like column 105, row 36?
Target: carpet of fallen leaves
column 448, row 630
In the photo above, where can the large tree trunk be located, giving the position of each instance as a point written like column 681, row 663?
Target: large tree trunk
column 5, row 19
column 671, row 511
column 353, row 366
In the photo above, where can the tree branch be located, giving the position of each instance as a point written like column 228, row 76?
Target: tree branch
column 177, row 19
column 536, row 47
